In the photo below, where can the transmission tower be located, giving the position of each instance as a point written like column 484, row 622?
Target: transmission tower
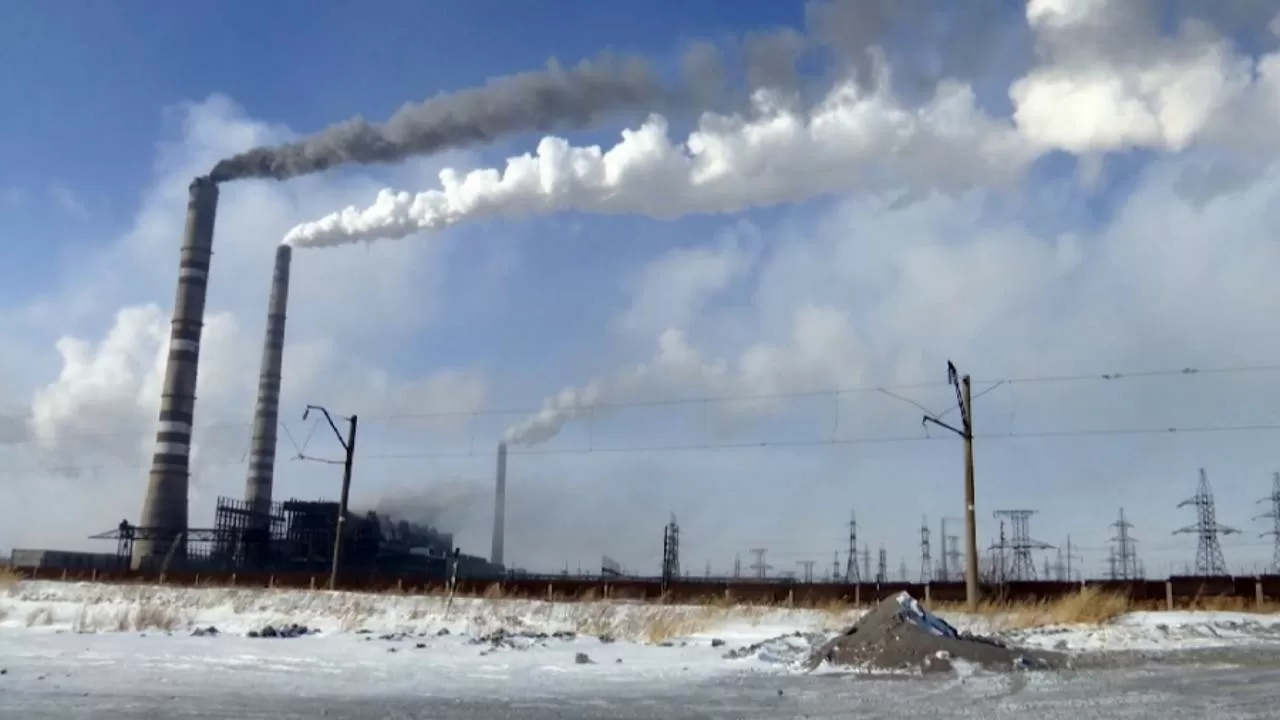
column 808, row 569
column 902, row 570
column 882, row 567
column 737, row 565
column 866, row 562
column 835, row 567
column 1124, row 565
column 670, row 552
column 953, row 557
column 851, row 574
column 1274, row 516
column 1021, row 566
column 707, row 571
column 926, row 554
column 760, row 566
column 999, row 555
column 1209, row 560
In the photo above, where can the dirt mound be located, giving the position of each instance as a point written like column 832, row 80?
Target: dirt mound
column 899, row 635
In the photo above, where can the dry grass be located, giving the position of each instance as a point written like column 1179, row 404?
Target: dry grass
column 150, row 607
column 8, row 576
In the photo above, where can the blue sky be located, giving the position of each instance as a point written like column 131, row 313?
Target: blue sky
column 1058, row 271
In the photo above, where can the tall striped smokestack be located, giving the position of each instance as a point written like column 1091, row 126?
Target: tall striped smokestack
column 164, row 512
column 499, row 506
column 262, row 450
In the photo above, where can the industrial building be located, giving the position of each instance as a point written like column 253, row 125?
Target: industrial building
column 256, row 533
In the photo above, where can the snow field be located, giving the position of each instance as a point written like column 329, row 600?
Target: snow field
column 101, row 608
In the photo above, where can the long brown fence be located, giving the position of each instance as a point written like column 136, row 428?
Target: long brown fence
column 1169, row 593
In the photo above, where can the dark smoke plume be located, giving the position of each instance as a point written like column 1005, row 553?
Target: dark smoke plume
column 536, row 101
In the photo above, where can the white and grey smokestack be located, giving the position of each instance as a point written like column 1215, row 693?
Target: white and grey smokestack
column 266, row 414
column 499, row 506
column 164, row 511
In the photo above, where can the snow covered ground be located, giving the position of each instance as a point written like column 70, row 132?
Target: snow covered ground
column 82, row 650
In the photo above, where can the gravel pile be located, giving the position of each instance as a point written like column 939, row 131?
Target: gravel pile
column 899, row 635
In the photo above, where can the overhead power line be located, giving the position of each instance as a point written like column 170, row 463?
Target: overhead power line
column 888, row 390
column 705, row 447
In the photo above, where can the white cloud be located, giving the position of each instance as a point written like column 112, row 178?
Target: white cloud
column 671, row 291
column 68, row 202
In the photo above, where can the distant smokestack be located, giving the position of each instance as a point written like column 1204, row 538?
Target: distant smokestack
column 262, row 448
column 164, row 511
column 499, row 506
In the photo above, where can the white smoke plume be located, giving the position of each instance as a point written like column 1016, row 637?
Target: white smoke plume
column 821, row 354
column 1165, row 93
column 853, row 138
column 556, row 412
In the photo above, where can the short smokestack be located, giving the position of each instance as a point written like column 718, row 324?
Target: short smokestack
column 164, row 512
column 262, row 448
column 499, row 506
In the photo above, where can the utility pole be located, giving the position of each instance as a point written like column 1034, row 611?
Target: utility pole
column 808, row 569
column 1071, row 575
column 349, row 445
column 964, row 399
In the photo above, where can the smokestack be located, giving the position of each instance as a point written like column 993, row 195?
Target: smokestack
column 262, row 449
column 164, row 512
column 499, row 506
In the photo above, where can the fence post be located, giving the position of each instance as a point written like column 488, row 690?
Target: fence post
column 550, row 595
column 857, row 595
column 271, row 582
column 233, row 579
column 197, row 580
column 1257, row 592
column 64, row 574
column 1168, row 594
column 399, row 584
column 791, row 596
column 313, row 582
column 93, row 575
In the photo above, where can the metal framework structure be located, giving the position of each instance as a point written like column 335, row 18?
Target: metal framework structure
column 1015, row 561
column 926, row 551
column 1274, row 517
column 1124, row 554
column 851, row 574
column 294, row 535
column 1209, row 559
column 670, row 551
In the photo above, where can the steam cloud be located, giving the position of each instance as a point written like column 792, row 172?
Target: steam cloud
column 1164, row 93
column 555, row 98
column 556, row 412
column 728, row 164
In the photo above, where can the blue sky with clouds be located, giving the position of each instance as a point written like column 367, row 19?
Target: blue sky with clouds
column 1066, row 242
